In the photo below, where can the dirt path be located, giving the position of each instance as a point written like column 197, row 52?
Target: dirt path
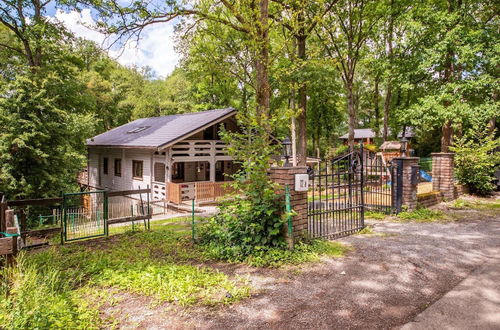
column 384, row 283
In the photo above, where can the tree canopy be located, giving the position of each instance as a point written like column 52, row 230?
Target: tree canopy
column 310, row 69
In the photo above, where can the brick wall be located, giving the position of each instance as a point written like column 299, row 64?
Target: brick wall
column 286, row 176
column 442, row 174
column 409, row 188
column 429, row 199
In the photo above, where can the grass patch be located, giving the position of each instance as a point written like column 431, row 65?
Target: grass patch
column 365, row 231
column 51, row 288
column 476, row 204
column 368, row 231
column 375, row 215
column 422, row 215
column 276, row 257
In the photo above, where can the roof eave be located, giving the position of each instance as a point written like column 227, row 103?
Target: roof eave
column 109, row 146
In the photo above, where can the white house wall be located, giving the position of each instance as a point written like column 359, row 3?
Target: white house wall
column 126, row 180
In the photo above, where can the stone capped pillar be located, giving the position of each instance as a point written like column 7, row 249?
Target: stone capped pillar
column 443, row 174
column 408, row 186
column 298, row 199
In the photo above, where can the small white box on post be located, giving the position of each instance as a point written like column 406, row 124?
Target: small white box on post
column 301, row 182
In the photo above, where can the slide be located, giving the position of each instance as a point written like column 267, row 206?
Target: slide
column 426, row 176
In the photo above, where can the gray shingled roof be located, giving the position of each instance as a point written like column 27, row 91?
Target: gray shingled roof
column 157, row 132
column 361, row 133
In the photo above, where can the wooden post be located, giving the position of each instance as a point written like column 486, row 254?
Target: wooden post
column 3, row 208
column 11, row 229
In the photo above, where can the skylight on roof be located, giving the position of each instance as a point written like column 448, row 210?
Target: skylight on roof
column 139, row 129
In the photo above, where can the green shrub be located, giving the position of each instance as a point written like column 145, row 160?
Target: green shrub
column 476, row 158
column 252, row 219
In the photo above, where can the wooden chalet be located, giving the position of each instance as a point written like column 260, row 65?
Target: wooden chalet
column 180, row 157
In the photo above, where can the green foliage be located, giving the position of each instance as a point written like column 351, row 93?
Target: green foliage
column 335, row 152
column 421, row 215
column 277, row 256
column 251, row 219
column 371, row 147
column 41, row 145
column 31, row 298
column 476, row 159
column 56, row 288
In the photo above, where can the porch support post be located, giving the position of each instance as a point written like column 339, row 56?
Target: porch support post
column 168, row 168
column 212, row 170
column 212, row 161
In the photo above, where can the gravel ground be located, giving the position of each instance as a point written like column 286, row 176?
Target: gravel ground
column 385, row 282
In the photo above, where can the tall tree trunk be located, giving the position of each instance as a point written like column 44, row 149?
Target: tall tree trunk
column 492, row 123
column 262, row 67
column 446, row 136
column 388, row 95
column 447, row 128
column 302, row 117
column 351, row 111
column 376, row 107
column 387, row 106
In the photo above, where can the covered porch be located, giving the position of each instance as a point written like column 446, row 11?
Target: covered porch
column 192, row 169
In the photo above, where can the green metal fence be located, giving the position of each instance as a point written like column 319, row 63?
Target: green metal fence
column 85, row 215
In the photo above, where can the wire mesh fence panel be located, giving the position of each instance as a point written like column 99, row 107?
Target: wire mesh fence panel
column 335, row 199
column 84, row 215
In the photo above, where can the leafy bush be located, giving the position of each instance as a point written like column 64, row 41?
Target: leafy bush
column 476, row 158
column 251, row 220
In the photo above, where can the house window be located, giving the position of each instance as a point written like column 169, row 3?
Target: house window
column 159, row 172
column 118, row 167
column 105, row 165
column 137, row 166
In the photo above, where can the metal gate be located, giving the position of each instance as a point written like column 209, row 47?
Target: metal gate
column 335, row 199
column 378, row 189
column 342, row 189
column 85, row 215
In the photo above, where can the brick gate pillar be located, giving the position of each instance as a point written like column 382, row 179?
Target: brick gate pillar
column 442, row 174
column 298, row 199
column 409, row 183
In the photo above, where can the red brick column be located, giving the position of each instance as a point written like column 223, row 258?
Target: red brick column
column 442, row 174
column 409, row 164
column 298, row 199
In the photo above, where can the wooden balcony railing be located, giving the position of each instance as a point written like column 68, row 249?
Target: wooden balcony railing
column 199, row 148
column 200, row 191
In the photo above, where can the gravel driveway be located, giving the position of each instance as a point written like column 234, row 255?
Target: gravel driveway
column 387, row 280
